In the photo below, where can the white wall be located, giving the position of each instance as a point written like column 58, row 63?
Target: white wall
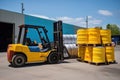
column 12, row 17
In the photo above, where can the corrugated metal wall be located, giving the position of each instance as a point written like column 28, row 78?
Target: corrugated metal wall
column 18, row 19
column 41, row 22
column 67, row 28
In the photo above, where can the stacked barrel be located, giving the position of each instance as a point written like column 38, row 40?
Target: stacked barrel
column 105, row 36
column 82, row 36
column 94, row 46
column 93, row 36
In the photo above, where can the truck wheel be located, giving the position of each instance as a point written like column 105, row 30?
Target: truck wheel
column 53, row 58
column 18, row 60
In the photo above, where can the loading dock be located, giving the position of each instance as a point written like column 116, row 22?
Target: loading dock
column 6, row 35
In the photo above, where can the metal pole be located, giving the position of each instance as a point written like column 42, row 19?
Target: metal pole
column 22, row 8
column 86, row 21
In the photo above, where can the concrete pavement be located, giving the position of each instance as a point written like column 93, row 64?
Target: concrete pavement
column 70, row 69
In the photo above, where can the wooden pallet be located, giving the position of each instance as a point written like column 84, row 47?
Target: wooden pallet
column 109, row 44
column 94, row 45
column 79, row 59
column 101, row 63
column 111, row 62
column 87, row 62
column 82, row 44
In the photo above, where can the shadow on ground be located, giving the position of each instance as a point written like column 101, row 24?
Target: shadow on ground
column 38, row 64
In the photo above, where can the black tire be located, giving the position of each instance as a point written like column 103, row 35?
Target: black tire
column 53, row 58
column 18, row 60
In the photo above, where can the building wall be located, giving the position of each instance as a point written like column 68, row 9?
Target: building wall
column 14, row 18
column 18, row 19
column 67, row 28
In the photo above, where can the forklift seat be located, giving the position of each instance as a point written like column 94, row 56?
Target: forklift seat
column 34, row 48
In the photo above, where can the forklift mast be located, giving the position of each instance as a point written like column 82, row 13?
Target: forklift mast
column 58, row 39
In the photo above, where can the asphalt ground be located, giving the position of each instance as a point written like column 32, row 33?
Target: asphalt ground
column 69, row 69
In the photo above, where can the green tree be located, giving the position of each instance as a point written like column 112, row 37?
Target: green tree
column 115, row 30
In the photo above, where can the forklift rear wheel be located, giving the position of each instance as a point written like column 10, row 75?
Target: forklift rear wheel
column 53, row 58
column 18, row 60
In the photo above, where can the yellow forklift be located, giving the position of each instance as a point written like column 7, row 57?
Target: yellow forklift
column 33, row 45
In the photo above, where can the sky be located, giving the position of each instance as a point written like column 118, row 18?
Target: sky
column 99, row 12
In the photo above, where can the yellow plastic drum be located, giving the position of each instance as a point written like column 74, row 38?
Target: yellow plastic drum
column 105, row 32
column 94, row 39
column 109, row 53
column 106, row 36
column 98, row 55
column 88, row 53
column 93, row 31
column 81, row 31
column 82, row 36
column 106, row 39
column 82, row 39
column 81, row 52
column 94, row 36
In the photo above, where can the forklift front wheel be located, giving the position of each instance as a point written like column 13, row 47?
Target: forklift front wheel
column 53, row 58
column 18, row 60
